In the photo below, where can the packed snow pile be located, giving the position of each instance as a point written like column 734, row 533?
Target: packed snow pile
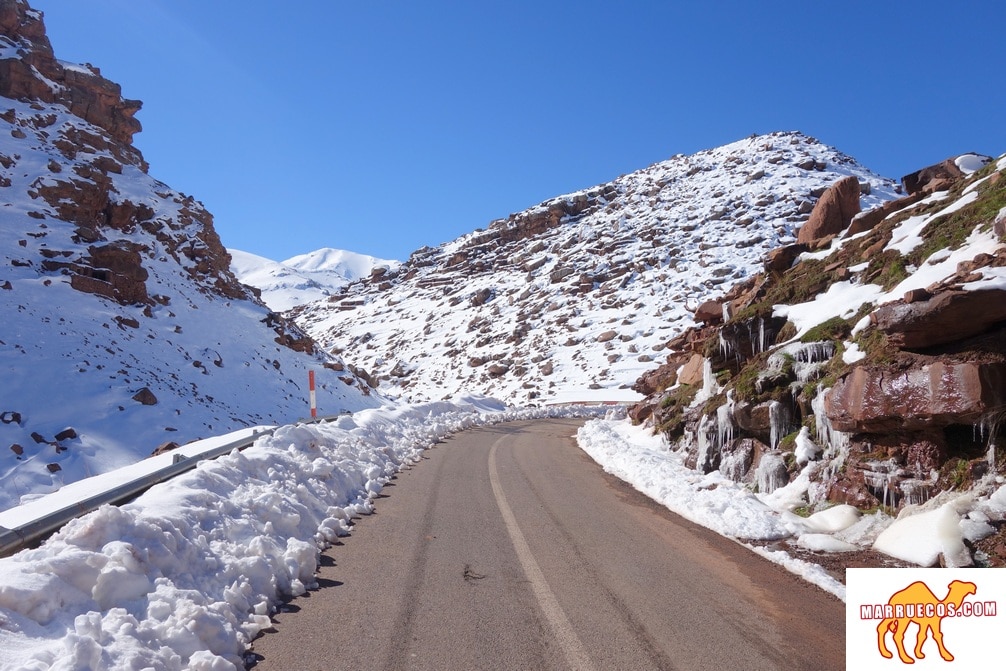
column 574, row 299
column 188, row 573
column 920, row 535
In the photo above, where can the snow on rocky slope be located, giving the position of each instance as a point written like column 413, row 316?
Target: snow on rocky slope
column 123, row 327
column 304, row 278
column 573, row 299
column 865, row 367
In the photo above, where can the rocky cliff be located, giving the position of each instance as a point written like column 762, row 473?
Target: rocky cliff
column 124, row 327
column 865, row 365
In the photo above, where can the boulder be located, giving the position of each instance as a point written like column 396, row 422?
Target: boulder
column 833, row 212
column 865, row 221
column 932, row 178
column 497, row 370
column 781, row 259
column 939, row 394
column 710, row 312
column 164, row 448
column 999, row 224
column 145, row 397
column 692, row 373
column 660, row 378
column 947, row 317
column 640, row 412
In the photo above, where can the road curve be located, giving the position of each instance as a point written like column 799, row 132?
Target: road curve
column 509, row 548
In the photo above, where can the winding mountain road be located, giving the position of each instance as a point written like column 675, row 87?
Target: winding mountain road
column 509, row 548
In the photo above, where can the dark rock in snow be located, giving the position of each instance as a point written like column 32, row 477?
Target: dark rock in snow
column 145, row 396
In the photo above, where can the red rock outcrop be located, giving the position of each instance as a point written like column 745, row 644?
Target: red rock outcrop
column 947, row 317
column 781, row 259
column 833, row 212
column 932, row 178
column 81, row 89
column 878, row 400
column 865, row 221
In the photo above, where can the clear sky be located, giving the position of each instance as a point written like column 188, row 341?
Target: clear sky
column 380, row 126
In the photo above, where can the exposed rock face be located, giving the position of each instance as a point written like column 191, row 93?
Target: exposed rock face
column 914, row 403
column 81, row 89
column 833, row 212
column 865, row 221
column 932, row 178
column 710, row 312
column 118, row 288
column 659, row 378
column 114, row 271
column 870, row 400
column 781, row 259
column 947, row 317
column 85, row 194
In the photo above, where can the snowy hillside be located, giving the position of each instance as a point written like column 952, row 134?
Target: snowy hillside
column 574, row 299
column 304, row 278
column 866, row 369
column 123, row 328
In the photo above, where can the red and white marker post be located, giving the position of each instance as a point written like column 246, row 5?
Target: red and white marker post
column 314, row 398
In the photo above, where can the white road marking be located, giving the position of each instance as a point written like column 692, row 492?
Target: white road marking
column 572, row 647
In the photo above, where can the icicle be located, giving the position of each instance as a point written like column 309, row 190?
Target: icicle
column 778, row 421
column 915, row 492
column 835, row 441
column 706, row 448
column 806, row 450
column 990, row 426
column 709, row 386
column 771, row 473
column 725, row 421
column 725, row 348
column 815, row 352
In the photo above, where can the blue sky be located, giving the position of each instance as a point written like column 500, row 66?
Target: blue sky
column 383, row 126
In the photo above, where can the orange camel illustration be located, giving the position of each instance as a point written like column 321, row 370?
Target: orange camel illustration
column 926, row 612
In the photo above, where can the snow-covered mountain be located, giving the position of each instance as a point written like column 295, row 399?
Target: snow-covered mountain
column 575, row 298
column 304, row 278
column 123, row 327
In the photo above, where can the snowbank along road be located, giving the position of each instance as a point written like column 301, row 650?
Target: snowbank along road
column 508, row 548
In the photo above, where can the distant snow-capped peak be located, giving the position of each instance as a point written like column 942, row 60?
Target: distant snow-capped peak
column 306, row 277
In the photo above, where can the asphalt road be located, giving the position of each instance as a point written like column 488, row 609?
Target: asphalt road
column 509, row 548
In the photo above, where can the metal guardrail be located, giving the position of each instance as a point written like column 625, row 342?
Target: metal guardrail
column 12, row 540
